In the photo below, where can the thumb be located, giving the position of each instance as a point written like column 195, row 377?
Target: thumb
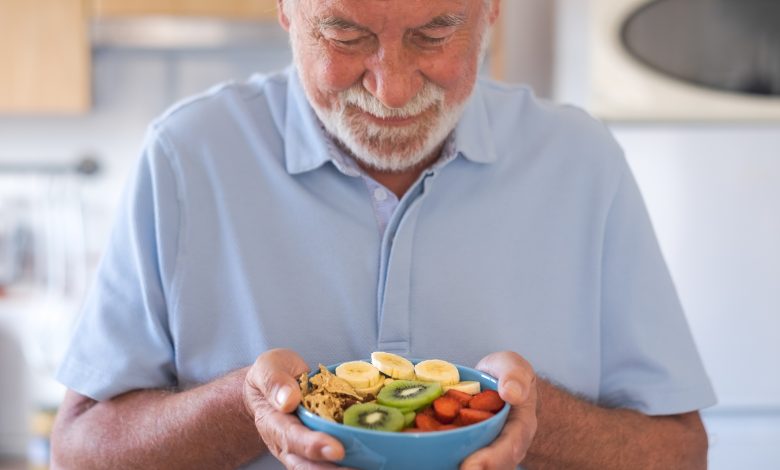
column 516, row 377
column 274, row 376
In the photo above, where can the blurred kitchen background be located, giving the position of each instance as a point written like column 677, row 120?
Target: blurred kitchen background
column 690, row 88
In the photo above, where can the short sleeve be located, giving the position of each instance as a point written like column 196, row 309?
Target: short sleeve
column 649, row 360
column 121, row 341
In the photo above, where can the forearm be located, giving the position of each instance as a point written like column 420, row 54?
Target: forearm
column 205, row 427
column 573, row 433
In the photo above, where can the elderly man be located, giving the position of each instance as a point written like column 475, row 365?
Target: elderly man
column 379, row 196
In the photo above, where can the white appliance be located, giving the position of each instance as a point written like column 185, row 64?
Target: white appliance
column 631, row 41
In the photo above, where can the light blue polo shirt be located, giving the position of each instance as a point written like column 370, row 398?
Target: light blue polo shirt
column 238, row 233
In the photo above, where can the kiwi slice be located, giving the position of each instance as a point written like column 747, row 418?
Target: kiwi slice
column 409, row 418
column 408, row 394
column 374, row 416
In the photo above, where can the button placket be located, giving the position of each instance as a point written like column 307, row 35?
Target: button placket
column 394, row 323
column 395, row 278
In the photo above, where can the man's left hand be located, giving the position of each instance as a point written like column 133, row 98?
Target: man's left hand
column 517, row 386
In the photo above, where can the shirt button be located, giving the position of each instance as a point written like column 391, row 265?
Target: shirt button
column 380, row 194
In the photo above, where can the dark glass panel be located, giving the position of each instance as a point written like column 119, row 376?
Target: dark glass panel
column 730, row 45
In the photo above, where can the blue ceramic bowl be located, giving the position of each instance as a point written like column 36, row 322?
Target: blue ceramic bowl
column 438, row 450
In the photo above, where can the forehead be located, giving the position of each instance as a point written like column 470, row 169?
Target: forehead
column 382, row 14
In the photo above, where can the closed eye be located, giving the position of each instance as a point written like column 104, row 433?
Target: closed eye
column 432, row 40
column 427, row 40
column 349, row 42
column 437, row 31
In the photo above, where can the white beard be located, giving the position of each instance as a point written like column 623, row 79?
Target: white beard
column 389, row 148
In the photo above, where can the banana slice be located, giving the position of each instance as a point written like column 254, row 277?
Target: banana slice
column 436, row 370
column 467, row 386
column 373, row 390
column 359, row 374
column 393, row 365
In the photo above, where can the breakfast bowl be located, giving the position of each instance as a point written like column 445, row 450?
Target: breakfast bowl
column 438, row 449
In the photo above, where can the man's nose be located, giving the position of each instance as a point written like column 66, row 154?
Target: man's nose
column 393, row 76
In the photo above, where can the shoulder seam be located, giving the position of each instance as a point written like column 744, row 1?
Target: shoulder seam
column 211, row 93
column 176, row 277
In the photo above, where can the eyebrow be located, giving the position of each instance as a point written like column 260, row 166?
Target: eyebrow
column 442, row 21
column 334, row 22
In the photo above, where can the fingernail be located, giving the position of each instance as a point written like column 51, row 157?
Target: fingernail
column 514, row 391
column 282, row 394
column 330, row 453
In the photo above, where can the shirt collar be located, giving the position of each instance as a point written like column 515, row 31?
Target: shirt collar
column 473, row 138
column 307, row 147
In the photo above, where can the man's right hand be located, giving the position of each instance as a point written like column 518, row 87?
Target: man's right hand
column 271, row 394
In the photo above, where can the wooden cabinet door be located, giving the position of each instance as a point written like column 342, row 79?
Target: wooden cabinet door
column 237, row 9
column 44, row 56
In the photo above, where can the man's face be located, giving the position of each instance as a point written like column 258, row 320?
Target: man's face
column 388, row 78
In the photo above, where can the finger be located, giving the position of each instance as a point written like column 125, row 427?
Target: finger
column 274, row 376
column 297, row 462
column 509, row 449
column 284, row 434
column 516, row 377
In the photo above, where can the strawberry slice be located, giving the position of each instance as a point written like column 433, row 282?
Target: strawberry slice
column 462, row 397
column 426, row 423
column 447, row 427
column 446, row 409
column 471, row 416
column 487, row 400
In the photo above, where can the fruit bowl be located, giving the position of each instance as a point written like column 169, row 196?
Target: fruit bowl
column 445, row 450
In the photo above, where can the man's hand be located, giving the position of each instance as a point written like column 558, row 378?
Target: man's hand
column 517, row 386
column 271, row 394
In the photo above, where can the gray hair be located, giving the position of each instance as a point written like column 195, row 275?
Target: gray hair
column 288, row 5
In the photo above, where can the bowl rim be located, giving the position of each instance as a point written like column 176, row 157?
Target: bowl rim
column 499, row 415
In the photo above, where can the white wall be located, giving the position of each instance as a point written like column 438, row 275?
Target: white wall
column 713, row 191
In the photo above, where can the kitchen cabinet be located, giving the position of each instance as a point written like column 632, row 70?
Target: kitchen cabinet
column 44, row 56
column 234, row 9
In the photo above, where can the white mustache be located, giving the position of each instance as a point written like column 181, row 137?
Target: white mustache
column 429, row 96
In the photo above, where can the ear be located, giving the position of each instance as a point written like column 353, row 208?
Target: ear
column 284, row 20
column 495, row 10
